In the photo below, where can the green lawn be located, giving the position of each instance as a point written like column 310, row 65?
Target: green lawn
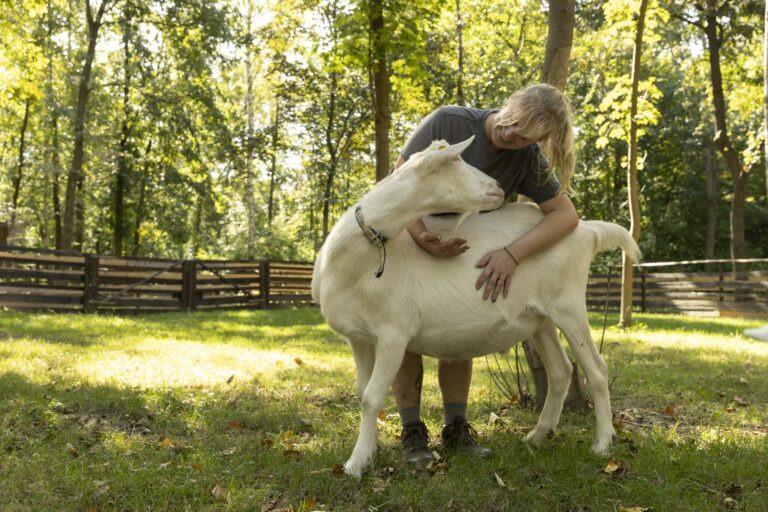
column 255, row 410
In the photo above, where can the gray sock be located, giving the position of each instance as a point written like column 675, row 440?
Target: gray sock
column 410, row 415
column 454, row 411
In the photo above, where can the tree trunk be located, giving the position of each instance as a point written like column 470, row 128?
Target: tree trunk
column 16, row 181
column 739, row 173
column 273, row 163
column 460, row 100
column 561, row 22
column 250, row 199
column 710, row 166
column 765, row 96
column 627, row 285
column 381, row 114
column 122, row 158
column 74, row 176
column 332, row 163
column 142, row 201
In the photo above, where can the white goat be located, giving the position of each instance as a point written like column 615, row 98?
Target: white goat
column 429, row 305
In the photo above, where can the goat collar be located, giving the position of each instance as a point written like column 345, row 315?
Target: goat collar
column 374, row 237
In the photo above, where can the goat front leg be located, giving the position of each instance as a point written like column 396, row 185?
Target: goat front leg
column 389, row 352
column 559, row 370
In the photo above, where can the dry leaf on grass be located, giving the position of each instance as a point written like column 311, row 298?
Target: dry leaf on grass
column 298, row 361
column 635, row 509
column 670, row 410
column 730, row 503
column 337, row 469
column 499, row 481
column 72, row 450
column 380, row 485
column 615, row 468
column 220, row 493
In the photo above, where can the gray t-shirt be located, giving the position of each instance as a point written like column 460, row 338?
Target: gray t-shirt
column 520, row 171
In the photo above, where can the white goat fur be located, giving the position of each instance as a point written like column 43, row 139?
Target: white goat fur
column 430, row 306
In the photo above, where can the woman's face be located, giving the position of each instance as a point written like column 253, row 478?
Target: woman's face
column 507, row 137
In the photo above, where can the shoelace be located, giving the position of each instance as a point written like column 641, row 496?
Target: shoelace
column 415, row 438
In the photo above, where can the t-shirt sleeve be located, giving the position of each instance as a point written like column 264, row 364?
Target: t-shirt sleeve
column 427, row 131
column 539, row 184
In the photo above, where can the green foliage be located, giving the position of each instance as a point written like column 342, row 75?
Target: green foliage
column 188, row 144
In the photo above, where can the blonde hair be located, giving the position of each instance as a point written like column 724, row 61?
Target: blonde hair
column 542, row 113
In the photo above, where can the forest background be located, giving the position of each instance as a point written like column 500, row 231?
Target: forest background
column 233, row 129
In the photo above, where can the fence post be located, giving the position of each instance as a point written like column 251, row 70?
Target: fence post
column 188, row 285
column 264, row 283
column 90, row 283
column 642, row 290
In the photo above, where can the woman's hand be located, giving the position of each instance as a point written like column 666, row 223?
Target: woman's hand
column 497, row 276
column 431, row 243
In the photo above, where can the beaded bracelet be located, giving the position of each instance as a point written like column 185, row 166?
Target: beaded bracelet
column 511, row 256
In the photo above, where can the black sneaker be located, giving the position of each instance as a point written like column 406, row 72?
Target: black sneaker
column 460, row 436
column 414, row 439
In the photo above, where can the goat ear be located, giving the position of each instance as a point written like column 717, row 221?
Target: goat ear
column 442, row 151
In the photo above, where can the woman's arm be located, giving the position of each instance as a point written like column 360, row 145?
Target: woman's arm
column 560, row 218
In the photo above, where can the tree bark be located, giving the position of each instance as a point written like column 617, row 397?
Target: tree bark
column 250, row 199
column 122, row 158
column 273, row 163
column 739, row 174
column 74, row 176
column 710, row 167
column 561, row 23
column 16, row 181
column 627, row 286
column 460, row 100
column 381, row 113
column 765, row 96
column 141, row 202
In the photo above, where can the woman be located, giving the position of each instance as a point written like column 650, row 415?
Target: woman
column 520, row 146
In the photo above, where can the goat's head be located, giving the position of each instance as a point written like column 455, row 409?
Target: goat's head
column 449, row 183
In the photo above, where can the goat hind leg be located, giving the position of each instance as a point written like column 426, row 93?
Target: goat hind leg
column 559, row 370
column 389, row 353
column 363, row 353
column 575, row 326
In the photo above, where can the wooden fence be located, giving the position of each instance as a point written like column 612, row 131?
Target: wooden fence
column 705, row 288
column 39, row 279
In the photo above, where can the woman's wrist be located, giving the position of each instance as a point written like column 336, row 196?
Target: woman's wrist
column 511, row 255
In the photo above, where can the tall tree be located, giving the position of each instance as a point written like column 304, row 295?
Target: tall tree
column 625, row 319
column 75, row 174
column 381, row 113
column 739, row 172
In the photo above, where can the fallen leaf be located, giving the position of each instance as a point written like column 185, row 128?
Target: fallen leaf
column 220, row 493
column 91, row 508
column 669, row 410
column 635, row 509
column 267, row 441
column 742, row 380
column 230, row 451
column 382, row 415
column 236, row 426
column 230, row 379
column 730, row 409
column 499, row 481
column 740, row 401
column 72, row 450
column 291, row 451
column 387, row 472
column 379, row 485
column 198, row 465
column 734, row 489
column 436, row 456
column 494, row 419
column 730, row 503
column 298, row 361
column 612, row 467
column 337, row 469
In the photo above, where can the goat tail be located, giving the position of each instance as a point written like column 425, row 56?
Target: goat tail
column 609, row 235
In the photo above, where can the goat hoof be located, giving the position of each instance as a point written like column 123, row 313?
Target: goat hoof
column 601, row 449
column 355, row 469
column 536, row 437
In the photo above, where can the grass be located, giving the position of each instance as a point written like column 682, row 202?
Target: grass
column 255, row 410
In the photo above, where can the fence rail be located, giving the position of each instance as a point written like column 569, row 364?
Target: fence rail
column 43, row 279
column 34, row 279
